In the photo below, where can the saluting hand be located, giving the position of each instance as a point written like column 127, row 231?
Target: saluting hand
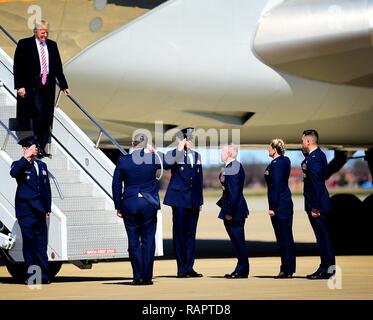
column 31, row 152
column 151, row 148
column 189, row 144
column 181, row 145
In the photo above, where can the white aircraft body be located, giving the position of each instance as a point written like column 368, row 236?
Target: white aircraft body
column 269, row 68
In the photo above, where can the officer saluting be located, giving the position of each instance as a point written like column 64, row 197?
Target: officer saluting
column 137, row 203
column 33, row 205
column 185, row 196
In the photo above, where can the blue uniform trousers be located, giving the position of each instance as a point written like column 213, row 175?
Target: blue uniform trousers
column 236, row 232
column 320, row 228
column 35, row 243
column 141, row 228
column 284, row 236
column 184, row 237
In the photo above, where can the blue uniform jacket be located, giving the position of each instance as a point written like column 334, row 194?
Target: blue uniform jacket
column 316, row 195
column 185, row 189
column 33, row 195
column 277, row 178
column 232, row 202
column 134, row 174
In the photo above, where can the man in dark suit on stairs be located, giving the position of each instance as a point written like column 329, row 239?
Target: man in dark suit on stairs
column 37, row 65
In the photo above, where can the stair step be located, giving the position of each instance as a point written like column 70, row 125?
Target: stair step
column 76, row 218
column 71, row 190
column 80, row 204
column 66, row 176
column 92, row 232
column 56, row 163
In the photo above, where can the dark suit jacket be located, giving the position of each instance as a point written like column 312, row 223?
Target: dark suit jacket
column 185, row 189
column 136, row 177
column 277, row 178
column 316, row 195
column 33, row 195
column 232, row 202
column 26, row 65
column 26, row 70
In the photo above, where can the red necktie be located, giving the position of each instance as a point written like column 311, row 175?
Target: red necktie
column 43, row 64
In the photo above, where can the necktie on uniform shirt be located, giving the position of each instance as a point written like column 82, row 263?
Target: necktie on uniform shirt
column 190, row 156
column 35, row 164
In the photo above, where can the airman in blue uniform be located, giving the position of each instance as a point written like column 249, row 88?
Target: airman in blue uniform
column 135, row 194
column 281, row 206
column 234, row 210
column 317, row 202
column 33, row 206
column 185, row 196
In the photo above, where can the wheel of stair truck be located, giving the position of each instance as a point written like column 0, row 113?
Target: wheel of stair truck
column 345, row 223
column 18, row 269
column 368, row 222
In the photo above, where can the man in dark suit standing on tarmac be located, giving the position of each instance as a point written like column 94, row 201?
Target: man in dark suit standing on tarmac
column 185, row 196
column 33, row 205
column 37, row 64
column 136, row 199
column 317, row 202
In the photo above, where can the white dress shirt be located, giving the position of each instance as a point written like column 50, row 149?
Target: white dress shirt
column 190, row 156
column 36, row 167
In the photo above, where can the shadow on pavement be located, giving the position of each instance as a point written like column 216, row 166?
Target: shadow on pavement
column 211, row 248
column 62, row 279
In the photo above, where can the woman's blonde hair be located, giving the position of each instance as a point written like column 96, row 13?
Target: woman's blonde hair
column 279, row 145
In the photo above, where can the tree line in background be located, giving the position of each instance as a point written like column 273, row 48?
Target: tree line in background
column 355, row 176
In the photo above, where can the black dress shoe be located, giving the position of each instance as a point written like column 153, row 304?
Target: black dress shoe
column 182, row 275
column 283, row 275
column 319, row 275
column 194, row 274
column 313, row 274
column 136, row 283
column 147, row 283
column 46, row 282
column 235, row 275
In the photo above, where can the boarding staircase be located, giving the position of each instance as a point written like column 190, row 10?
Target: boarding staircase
column 83, row 227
